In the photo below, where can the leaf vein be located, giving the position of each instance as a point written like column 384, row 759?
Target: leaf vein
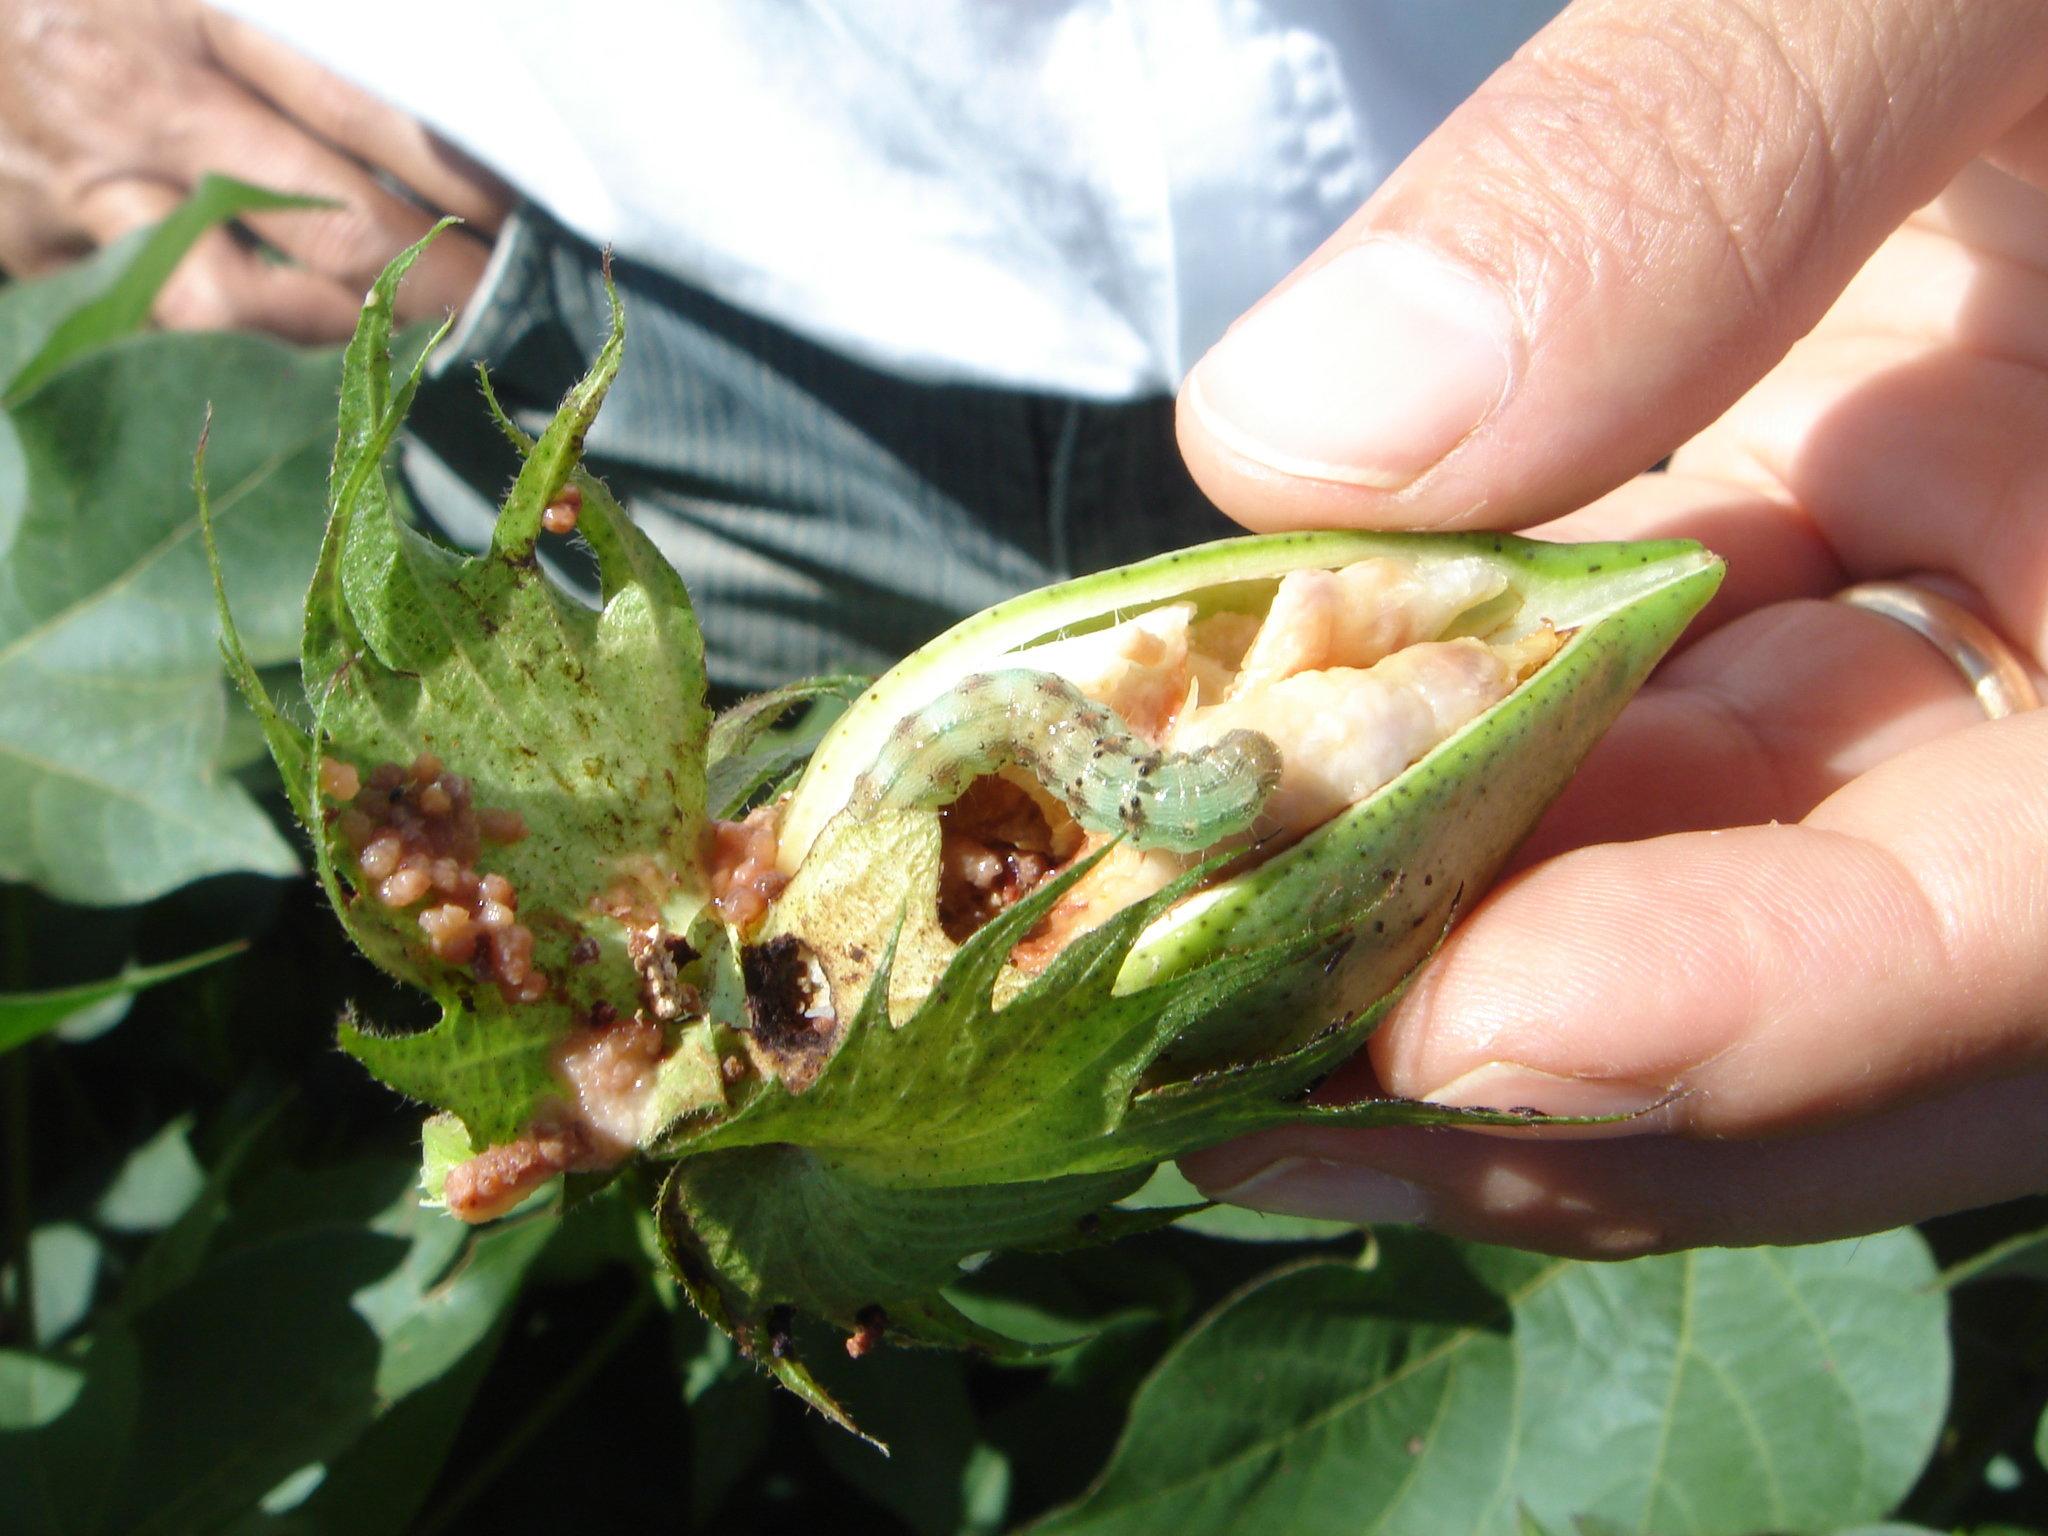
column 178, row 534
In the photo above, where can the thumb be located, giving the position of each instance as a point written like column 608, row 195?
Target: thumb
column 1596, row 254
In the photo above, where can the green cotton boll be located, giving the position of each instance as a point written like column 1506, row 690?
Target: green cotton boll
column 1042, row 908
column 1384, row 879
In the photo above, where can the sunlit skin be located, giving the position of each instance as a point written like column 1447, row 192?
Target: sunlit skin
column 1795, row 908
column 112, row 110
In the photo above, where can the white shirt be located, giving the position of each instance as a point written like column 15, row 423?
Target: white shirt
column 1068, row 195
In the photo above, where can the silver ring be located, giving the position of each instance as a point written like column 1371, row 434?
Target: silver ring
column 1993, row 669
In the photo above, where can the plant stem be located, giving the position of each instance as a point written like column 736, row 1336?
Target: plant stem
column 14, row 1098
column 544, row 1409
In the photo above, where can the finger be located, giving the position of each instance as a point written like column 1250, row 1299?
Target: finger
column 26, row 252
column 1909, row 457
column 109, row 210
column 1760, row 721
column 219, row 286
column 358, row 123
column 1772, row 702
column 1588, row 262
column 1913, row 429
column 1618, row 1199
column 246, row 139
column 1748, row 982
column 1902, row 435
column 222, row 286
column 38, row 232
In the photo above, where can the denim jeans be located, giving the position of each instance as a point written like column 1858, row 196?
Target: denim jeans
column 826, row 515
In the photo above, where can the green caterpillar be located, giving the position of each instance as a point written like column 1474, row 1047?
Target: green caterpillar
column 1082, row 752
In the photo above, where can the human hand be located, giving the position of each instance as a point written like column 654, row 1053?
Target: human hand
column 1835, row 1011
column 112, row 110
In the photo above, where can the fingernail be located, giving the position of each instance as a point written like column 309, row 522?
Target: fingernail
column 1314, row 1186
column 1368, row 370
column 1510, row 1085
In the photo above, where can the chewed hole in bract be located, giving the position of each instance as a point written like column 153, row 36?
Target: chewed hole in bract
column 792, row 1024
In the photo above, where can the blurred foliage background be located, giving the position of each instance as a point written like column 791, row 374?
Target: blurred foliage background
column 223, row 1309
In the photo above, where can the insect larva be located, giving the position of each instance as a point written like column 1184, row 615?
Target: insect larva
column 1082, row 752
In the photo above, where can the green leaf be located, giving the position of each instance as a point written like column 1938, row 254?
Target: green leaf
column 327, row 1302
column 64, row 1420
column 65, row 1260
column 382, row 1480
column 112, row 788
column 31, row 309
column 290, row 747
column 1054, row 1437
column 918, row 1402
column 449, row 1296
column 589, row 724
column 156, row 1184
column 26, row 1015
column 47, row 323
column 163, row 1189
column 1075, row 1301
column 111, row 709
column 250, row 1371
column 490, row 1071
column 1169, row 1187
column 985, row 1483
column 730, row 1405
column 780, row 1226
column 1450, row 1389
column 2041, row 1440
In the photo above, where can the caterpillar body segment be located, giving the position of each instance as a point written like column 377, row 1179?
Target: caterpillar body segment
column 1109, row 777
